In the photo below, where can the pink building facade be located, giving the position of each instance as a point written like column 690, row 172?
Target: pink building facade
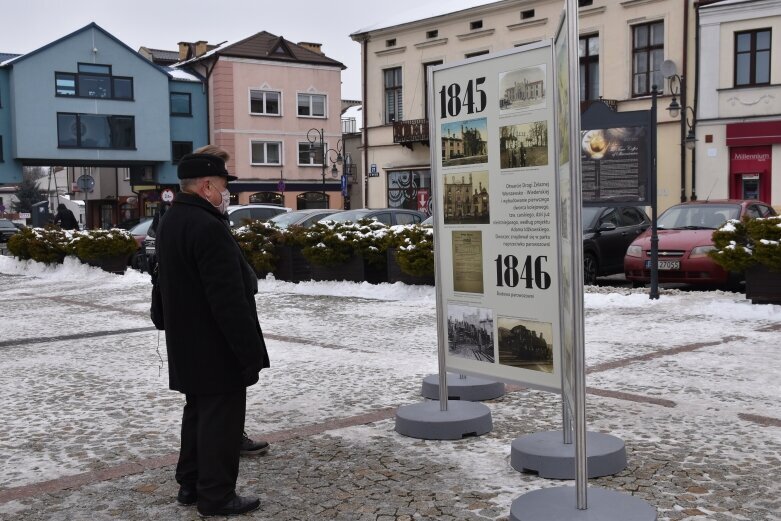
column 276, row 107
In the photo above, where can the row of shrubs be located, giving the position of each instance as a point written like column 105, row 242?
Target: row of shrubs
column 323, row 244
column 331, row 244
column 742, row 244
column 52, row 244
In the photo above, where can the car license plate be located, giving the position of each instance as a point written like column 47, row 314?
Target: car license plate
column 664, row 265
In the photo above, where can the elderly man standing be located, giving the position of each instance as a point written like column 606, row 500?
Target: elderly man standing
column 214, row 341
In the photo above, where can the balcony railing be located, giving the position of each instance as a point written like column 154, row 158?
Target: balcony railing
column 349, row 126
column 410, row 131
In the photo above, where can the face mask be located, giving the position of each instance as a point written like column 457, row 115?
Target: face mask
column 222, row 207
column 226, row 198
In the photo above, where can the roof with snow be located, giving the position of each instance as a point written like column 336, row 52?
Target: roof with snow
column 5, row 56
column 182, row 75
column 267, row 46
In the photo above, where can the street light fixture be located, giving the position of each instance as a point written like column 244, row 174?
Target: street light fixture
column 688, row 137
column 343, row 160
column 316, row 138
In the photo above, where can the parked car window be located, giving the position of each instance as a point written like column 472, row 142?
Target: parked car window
column 631, row 216
column 240, row 217
column 309, row 221
column 610, row 216
column 407, row 218
column 384, row 218
column 766, row 211
column 263, row 214
column 141, row 228
column 698, row 216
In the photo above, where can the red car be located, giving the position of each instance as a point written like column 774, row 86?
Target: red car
column 685, row 237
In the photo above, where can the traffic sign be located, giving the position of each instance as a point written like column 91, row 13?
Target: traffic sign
column 167, row 195
column 86, row 183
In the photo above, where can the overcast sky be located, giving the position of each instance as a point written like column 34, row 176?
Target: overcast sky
column 26, row 25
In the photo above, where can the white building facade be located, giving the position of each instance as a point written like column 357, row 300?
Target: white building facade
column 738, row 151
column 623, row 44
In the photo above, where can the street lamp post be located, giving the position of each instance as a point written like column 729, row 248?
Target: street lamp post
column 343, row 160
column 688, row 138
column 317, row 141
column 316, row 138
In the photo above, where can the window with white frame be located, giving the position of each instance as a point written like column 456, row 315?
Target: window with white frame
column 311, row 105
column 393, row 105
column 266, row 153
column 266, row 102
column 311, row 154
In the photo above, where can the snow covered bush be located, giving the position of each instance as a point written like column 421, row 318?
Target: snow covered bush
column 258, row 240
column 93, row 245
column 414, row 245
column 48, row 245
column 741, row 244
column 334, row 243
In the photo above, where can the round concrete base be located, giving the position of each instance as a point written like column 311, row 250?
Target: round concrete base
column 469, row 388
column 560, row 504
column 427, row 422
column 546, row 454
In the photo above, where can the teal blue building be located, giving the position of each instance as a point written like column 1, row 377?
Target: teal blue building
column 91, row 104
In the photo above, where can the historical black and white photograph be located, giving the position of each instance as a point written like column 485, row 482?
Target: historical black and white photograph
column 527, row 344
column 470, row 332
column 465, row 142
column 522, row 89
column 523, row 145
column 466, row 198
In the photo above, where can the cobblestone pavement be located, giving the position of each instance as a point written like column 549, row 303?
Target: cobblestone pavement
column 90, row 431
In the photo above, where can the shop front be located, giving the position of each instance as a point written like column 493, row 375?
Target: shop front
column 751, row 159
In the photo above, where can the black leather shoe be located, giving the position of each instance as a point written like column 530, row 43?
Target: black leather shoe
column 187, row 496
column 233, row 507
column 250, row 447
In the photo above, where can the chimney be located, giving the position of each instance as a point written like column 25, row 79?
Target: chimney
column 201, row 46
column 314, row 47
column 184, row 50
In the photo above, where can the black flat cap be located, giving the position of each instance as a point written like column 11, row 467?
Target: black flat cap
column 202, row 165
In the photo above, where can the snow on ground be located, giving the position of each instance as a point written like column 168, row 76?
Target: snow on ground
column 341, row 349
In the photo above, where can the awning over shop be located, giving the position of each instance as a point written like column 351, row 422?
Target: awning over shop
column 754, row 133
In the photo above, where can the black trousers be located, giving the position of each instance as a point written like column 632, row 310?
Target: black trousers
column 211, row 439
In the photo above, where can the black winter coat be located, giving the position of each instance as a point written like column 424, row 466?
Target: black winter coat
column 66, row 220
column 214, row 341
